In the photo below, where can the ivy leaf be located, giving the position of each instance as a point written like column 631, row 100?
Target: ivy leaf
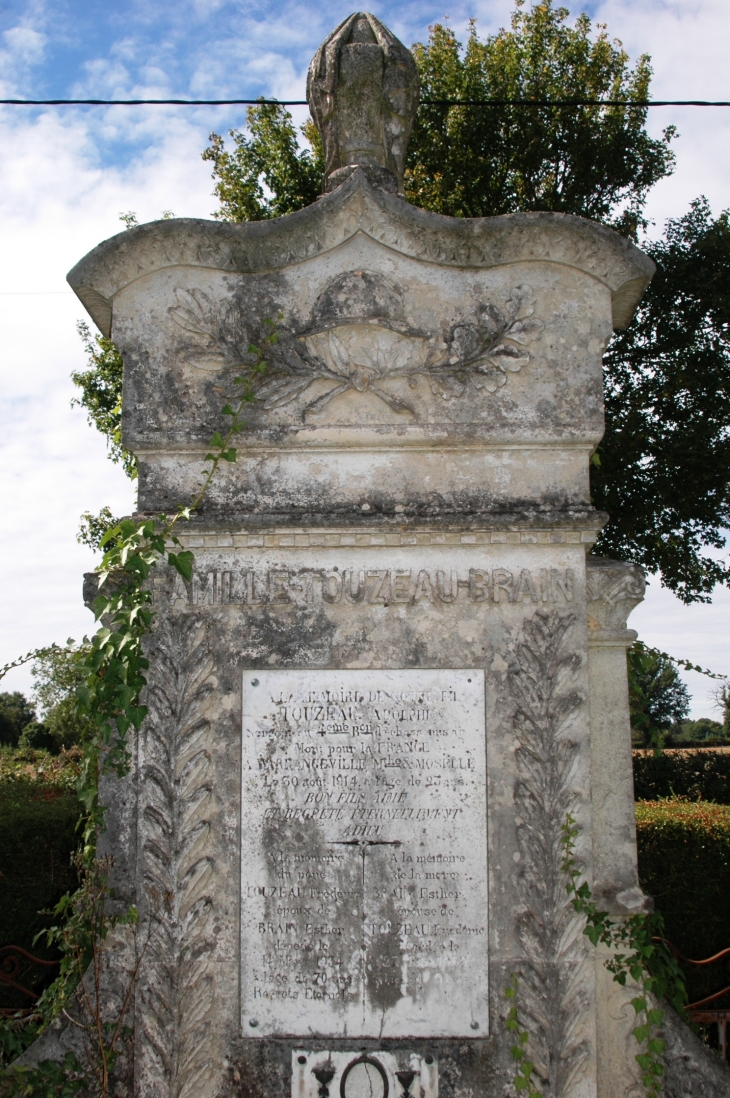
column 182, row 563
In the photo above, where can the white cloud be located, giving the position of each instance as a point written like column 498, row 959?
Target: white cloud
column 23, row 49
column 26, row 43
column 698, row 633
column 105, row 78
column 55, row 205
column 689, row 44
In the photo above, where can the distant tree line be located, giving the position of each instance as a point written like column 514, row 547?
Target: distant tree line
column 57, row 676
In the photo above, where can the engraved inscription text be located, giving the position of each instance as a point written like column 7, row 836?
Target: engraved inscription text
column 364, row 894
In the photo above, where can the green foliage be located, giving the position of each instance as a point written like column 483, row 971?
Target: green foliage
column 58, row 674
column 662, row 472
column 524, row 1067
column 30, row 765
column 723, row 700
column 694, row 775
column 39, row 814
column 83, row 925
column 65, row 726
column 101, row 394
column 37, row 737
column 703, row 731
column 657, row 696
column 477, row 161
column 684, row 863
column 16, row 713
column 50, row 1079
column 266, row 174
column 81, row 934
column 638, row 953
column 92, row 528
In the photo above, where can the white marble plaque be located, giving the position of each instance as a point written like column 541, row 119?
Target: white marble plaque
column 364, row 865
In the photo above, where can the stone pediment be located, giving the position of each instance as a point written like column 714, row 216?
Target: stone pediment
column 359, row 207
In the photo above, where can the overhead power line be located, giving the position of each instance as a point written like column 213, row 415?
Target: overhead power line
column 424, row 102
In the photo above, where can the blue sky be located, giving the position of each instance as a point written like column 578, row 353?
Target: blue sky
column 197, row 48
column 232, row 49
column 66, row 175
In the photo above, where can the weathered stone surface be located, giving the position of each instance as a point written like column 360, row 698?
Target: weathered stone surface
column 614, row 589
column 691, row 1069
column 506, row 610
column 355, row 208
column 427, row 367
column 363, row 89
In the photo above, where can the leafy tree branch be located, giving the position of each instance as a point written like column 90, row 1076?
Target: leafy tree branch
column 101, row 394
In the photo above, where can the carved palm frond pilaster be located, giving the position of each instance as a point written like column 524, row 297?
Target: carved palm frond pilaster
column 177, row 986
column 552, row 1000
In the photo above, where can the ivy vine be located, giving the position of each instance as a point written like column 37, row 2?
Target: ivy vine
column 637, row 953
column 109, row 700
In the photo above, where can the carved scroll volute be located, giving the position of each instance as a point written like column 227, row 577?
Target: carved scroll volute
column 615, row 588
column 362, row 90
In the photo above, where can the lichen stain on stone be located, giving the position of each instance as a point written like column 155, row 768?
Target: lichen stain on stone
column 384, row 945
column 296, row 635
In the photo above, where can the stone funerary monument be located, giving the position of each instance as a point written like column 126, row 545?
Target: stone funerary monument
column 395, row 669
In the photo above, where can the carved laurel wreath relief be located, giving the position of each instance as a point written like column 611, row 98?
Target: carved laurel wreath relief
column 552, row 998
column 177, row 987
column 358, row 339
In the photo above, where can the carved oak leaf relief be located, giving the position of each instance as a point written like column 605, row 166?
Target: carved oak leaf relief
column 358, row 339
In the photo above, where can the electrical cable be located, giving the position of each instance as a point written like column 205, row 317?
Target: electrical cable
column 424, row 102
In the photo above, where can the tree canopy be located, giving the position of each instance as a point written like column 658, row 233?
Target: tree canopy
column 658, row 698
column 661, row 471
column 16, row 713
column 665, row 456
column 57, row 676
column 270, row 157
column 477, row 161
column 101, row 391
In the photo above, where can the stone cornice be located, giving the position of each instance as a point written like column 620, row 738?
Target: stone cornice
column 238, row 536
column 359, row 207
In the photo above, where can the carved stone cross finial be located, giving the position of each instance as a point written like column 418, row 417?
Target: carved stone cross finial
column 362, row 90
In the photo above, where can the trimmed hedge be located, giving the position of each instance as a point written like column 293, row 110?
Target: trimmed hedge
column 684, row 863
column 696, row 775
column 39, row 811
